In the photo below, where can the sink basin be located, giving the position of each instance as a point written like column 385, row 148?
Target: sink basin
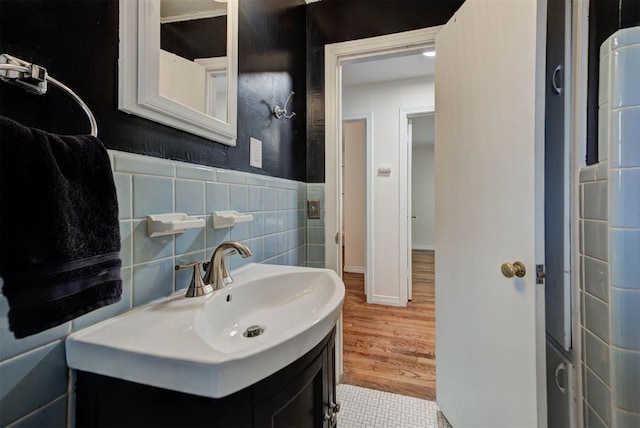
column 200, row 345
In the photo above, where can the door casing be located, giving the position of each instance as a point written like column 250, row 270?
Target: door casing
column 335, row 54
column 405, row 138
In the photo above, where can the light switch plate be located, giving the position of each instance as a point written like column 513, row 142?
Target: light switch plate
column 255, row 152
column 313, row 208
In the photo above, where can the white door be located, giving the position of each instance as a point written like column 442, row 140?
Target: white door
column 489, row 125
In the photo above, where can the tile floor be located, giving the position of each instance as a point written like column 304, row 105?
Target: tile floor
column 369, row 408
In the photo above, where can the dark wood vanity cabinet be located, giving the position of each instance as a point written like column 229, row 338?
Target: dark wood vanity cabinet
column 303, row 394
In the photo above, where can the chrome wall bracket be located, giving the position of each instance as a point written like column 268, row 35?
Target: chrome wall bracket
column 30, row 77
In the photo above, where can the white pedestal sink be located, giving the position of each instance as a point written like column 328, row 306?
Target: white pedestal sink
column 197, row 345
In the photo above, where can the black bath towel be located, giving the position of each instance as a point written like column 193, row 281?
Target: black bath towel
column 59, row 232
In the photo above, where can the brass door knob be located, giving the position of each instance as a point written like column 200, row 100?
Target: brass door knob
column 516, row 269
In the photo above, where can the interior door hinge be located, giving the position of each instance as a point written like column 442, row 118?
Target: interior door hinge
column 337, row 237
column 540, row 274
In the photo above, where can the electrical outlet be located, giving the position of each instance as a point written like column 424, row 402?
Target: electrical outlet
column 313, row 208
column 255, row 152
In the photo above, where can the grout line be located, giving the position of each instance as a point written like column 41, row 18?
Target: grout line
column 597, row 298
column 22, row 354
column 637, row 351
column 33, row 412
column 595, row 412
column 598, row 376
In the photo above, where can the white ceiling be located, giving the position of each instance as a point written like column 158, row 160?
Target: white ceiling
column 180, row 10
column 392, row 68
column 388, row 69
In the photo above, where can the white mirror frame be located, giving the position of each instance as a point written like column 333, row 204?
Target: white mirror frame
column 138, row 74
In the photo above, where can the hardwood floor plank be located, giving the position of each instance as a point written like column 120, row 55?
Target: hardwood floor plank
column 390, row 348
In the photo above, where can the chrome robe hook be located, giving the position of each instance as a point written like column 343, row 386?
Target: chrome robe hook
column 282, row 112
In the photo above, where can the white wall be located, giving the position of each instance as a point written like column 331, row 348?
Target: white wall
column 423, row 199
column 385, row 101
column 354, row 195
column 182, row 80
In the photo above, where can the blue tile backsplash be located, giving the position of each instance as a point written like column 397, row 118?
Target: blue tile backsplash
column 32, row 380
column 34, row 377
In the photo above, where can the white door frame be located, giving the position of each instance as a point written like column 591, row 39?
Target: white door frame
column 409, row 207
column 405, row 193
column 335, row 54
column 368, row 244
column 578, row 123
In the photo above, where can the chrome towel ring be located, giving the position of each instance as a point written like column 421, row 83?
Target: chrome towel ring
column 34, row 79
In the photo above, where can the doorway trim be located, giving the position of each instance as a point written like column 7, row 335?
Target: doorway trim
column 335, row 54
column 367, row 117
column 579, row 53
column 406, row 149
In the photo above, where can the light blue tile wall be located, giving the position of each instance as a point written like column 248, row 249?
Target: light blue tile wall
column 624, row 224
column 595, row 308
column 610, row 246
column 34, row 377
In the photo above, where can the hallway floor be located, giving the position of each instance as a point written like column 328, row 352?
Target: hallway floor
column 368, row 408
column 390, row 348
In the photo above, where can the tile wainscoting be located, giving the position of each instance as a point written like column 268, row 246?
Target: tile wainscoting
column 36, row 384
column 610, row 243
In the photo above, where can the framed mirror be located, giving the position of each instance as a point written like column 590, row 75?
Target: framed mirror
column 178, row 64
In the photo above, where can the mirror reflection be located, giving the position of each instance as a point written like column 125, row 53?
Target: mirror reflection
column 193, row 54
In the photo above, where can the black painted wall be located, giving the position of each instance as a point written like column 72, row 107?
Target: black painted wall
column 605, row 18
column 196, row 38
column 333, row 21
column 77, row 41
column 272, row 63
column 281, row 48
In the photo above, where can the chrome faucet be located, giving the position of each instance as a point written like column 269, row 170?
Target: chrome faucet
column 216, row 272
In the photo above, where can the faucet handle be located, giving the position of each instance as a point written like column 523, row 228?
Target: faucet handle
column 197, row 287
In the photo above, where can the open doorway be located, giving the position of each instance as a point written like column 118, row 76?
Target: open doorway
column 389, row 343
column 417, row 228
column 354, row 191
column 422, row 182
column 421, row 202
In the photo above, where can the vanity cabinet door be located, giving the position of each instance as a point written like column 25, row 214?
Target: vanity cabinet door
column 299, row 404
column 308, row 392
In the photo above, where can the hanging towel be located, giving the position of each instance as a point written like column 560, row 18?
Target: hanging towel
column 59, row 232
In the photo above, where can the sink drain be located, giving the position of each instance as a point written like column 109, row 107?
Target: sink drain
column 253, row 331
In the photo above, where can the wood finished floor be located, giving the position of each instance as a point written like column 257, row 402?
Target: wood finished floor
column 391, row 348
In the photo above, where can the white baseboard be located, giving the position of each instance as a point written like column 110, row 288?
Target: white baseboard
column 386, row 300
column 354, row 269
column 423, row 247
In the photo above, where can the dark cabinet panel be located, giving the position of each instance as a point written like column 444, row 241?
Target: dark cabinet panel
column 103, row 401
column 299, row 404
column 560, row 393
column 556, row 217
column 307, row 401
